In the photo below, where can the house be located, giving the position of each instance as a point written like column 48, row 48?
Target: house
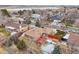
column 55, row 22
column 37, row 35
column 73, row 39
column 8, row 23
column 37, row 32
column 18, row 20
column 76, row 22
column 26, row 28
column 12, row 24
column 66, row 37
column 10, row 29
column 36, row 16
column 73, row 42
column 56, row 19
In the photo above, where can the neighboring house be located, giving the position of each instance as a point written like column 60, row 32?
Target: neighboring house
column 48, row 37
column 65, row 38
column 55, row 22
column 12, row 24
column 73, row 29
column 9, row 23
column 56, row 19
column 10, row 29
column 26, row 28
column 36, row 16
column 76, row 23
column 18, row 20
column 73, row 39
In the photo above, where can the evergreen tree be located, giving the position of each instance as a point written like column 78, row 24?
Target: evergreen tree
column 33, row 11
column 21, row 45
column 28, row 22
column 5, row 12
column 37, row 24
column 20, row 12
column 56, row 50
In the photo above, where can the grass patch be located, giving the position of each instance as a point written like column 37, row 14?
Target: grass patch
column 60, row 33
column 4, row 32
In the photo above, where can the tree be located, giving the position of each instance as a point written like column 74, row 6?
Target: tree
column 21, row 45
column 60, row 33
column 33, row 11
column 69, row 23
column 28, row 22
column 5, row 12
column 37, row 24
column 56, row 50
column 2, row 26
column 20, row 12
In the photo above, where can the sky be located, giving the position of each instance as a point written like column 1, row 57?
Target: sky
column 39, row 2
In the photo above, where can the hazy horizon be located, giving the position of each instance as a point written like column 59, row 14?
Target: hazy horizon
column 35, row 6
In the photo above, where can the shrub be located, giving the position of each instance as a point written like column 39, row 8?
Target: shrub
column 5, row 12
column 21, row 45
column 37, row 24
column 56, row 50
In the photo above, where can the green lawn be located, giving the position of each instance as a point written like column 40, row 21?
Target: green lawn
column 4, row 32
column 60, row 33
